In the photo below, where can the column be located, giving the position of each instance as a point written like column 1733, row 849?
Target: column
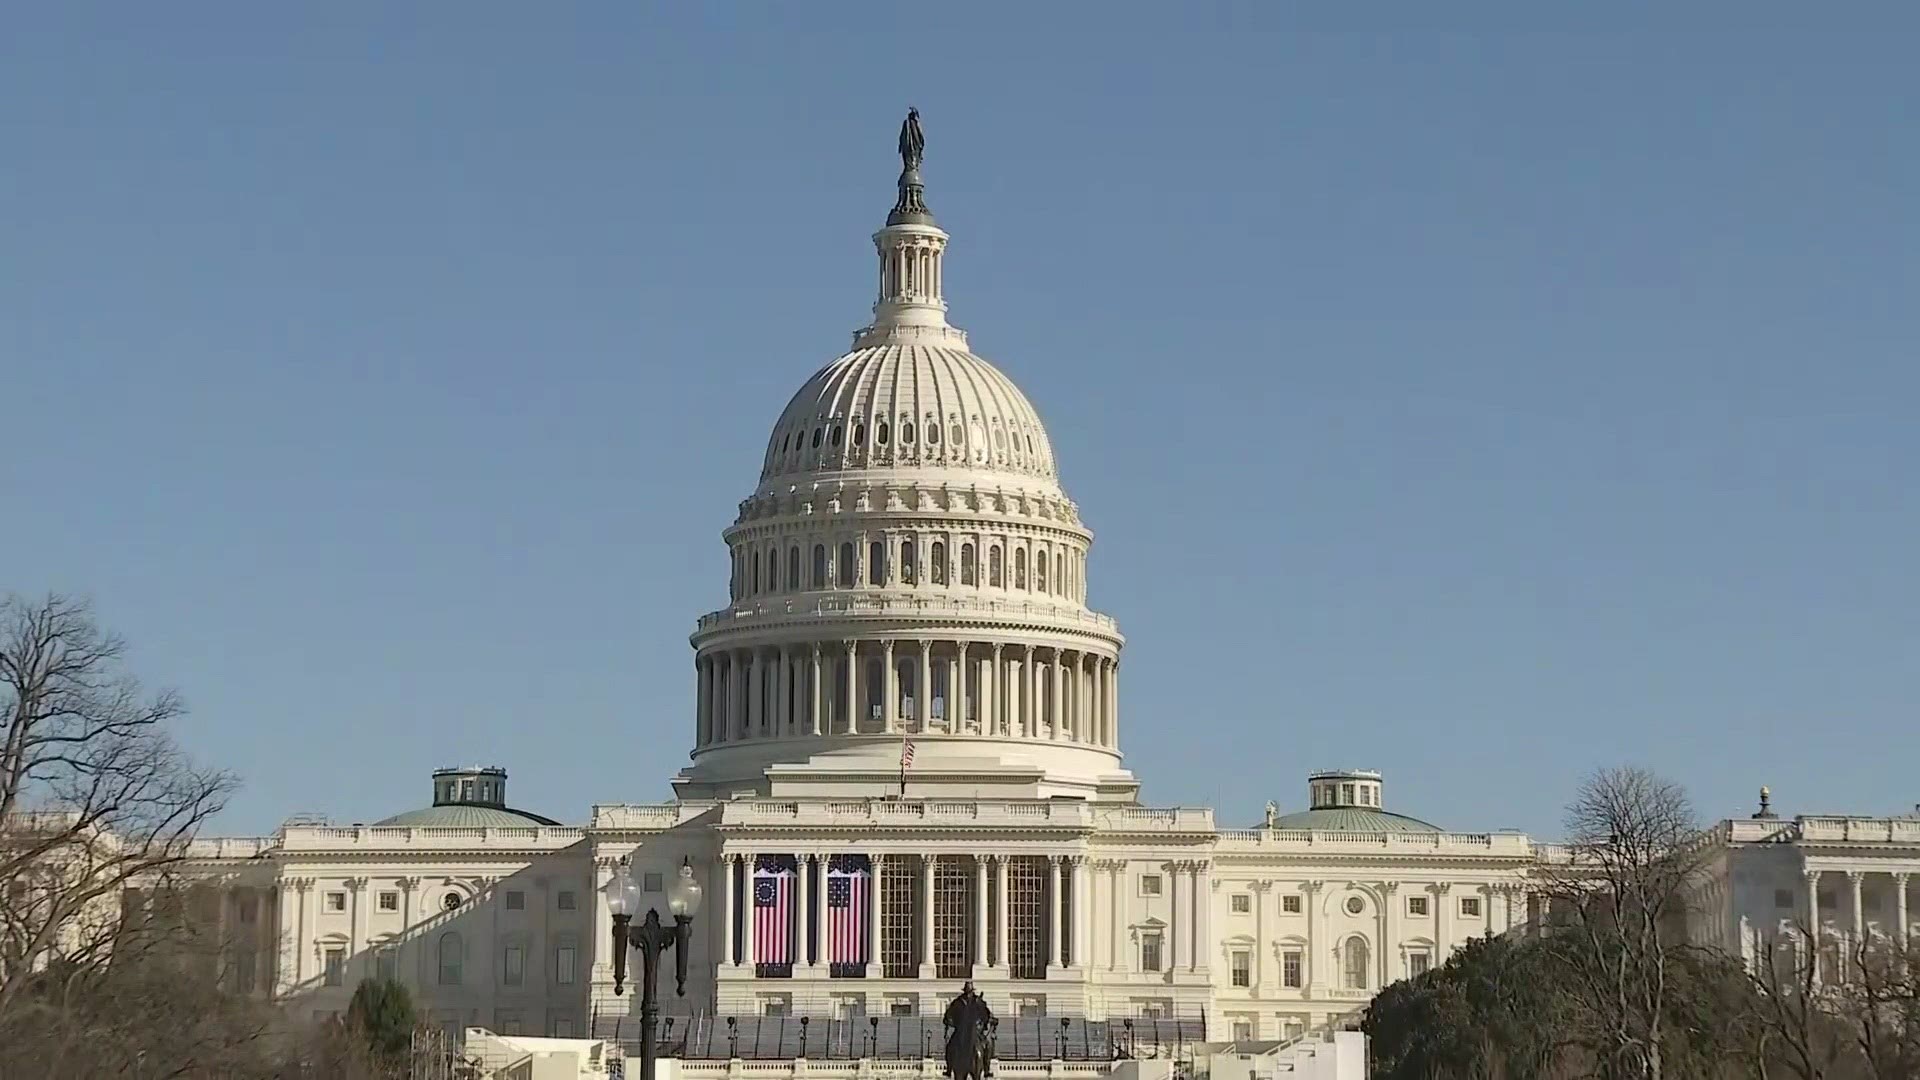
column 1002, row 906
column 1057, row 698
column 813, row 691
column 1077, row 926
column 777, row 713
column 1088, row 728
column 923, row 690
column 802, row 948
column 1900, row 906
column 980, row 899
column 1857, row 930
column 1029, row 708
column 875, row 969
column 1202, row 883
column 746, row 912
column 1113, row 714
column 1259, row 890
column 1813, row 923
column 1182, row 913
column 889, row 689
column 1316, row 940
column 991, row 725
column 1390, row 912
column 956, row 691
column 756, row 694
column 703, row 697
column 400, row 950
column 1117, row 959
column 357, row 915
column 1053, row 912
column 926, row 916
column 1442, row 932
column 1099, row 700
column 853, row 688
column 303, row 939
column 731, row 912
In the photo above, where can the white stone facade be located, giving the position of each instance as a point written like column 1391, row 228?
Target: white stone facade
column 910, row 571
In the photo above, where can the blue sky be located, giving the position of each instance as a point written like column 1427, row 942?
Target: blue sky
column 1480, row 401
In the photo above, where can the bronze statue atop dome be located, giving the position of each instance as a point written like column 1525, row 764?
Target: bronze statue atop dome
column 913, row 141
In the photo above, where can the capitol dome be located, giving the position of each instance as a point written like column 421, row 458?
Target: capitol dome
column 907, row 581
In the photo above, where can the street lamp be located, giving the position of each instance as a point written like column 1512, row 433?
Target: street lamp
column 651, row 938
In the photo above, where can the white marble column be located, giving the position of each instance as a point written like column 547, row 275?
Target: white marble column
column 1203, row 915
column 813, row 692
column 356, row 915
column 731, row 911
column 1442, row 927
column 1113, row 687
column 703, row 698
column 1900, row 906
column 1117, row 958
column 956, row 691
column 803, row 880
column 1002, row 905
column 851, row 721
column 746, row 912
column 1316, row 940
column 980, row 899
column 1259, row 889
column 1056, row 696
column 1082, row 921
column 303, row 941
column 926, row 916
column 875, row 967
column 1180, row 899
column 756, row 694
column 1053, row 912
column 995, row 695
column 923, row 693
column 1813, row 923
column 1857, row 929
column 889, row 689
column 1393, row 965
column 1029, row 708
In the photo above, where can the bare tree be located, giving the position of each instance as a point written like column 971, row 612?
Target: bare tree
column 95, row 797
column 1618, row 890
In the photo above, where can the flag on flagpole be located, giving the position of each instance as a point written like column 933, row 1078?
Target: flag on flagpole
column 906, row 753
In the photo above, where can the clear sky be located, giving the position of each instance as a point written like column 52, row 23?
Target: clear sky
column 1480, row 401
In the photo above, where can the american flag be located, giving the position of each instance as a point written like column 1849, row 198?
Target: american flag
column 849, row 906
column 772, row 914
column 906, row 753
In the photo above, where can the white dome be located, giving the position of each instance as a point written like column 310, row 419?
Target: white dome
column 892, row 406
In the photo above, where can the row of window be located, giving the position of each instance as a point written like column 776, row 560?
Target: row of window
column 758, row 572
column 1355, row 970
column 1417, row 906
column 389, row 900
column 452, row 963
column 805, row 445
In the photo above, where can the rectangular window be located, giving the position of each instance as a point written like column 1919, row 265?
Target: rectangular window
column 1242, row 968
column 1290, row 905
column 651, row 881
column 389, row 901
column 336, row 967
column 1150, row 952
column 1027, row 916
column 1242, row 903
column 1470, row 907
column 249, row 909
column 899, row 949
column 514, row 970
column 1243, row 1031
column 1416, row 905
column 516, row 900
column 1150, row 884
column 564, row 959
column 776, row 1005
column 952, row 917
column 507, row 1021
column 561, row 1025
column 336, row 901
column 1290, row 969
column 564, row 900
column 1418, row 963
column 900, row 1007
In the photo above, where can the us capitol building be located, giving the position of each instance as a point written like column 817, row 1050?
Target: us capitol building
column 909, row 572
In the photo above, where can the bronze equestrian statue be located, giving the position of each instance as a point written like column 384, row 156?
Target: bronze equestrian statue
column 970, row 1028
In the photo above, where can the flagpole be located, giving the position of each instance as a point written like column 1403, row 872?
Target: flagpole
column 903, row 763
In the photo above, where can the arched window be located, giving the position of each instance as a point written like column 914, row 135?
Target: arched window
column 993, row 566
column 452, row 952
column 846, row 566
column 819, row 566
column 876, row 563
column 786, row 443
column 1354, row 966
column 756, row 574
column 859, row 434
column 1060, row 572
column 939, row 557
column 967, row 572
column 880, row 434
column 955, row 435
column 816, row 437
column 906, row 433
column 907, row 565
column 933, row 433
column 1040, row 571
column 1020, row 569
column 838, row 431
column 793, row 568
column 773, row 569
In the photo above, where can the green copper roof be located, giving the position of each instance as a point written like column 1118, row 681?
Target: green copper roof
column 1352, row 819
column 467, row 816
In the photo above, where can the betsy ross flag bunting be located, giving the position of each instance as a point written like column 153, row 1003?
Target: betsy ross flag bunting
column 849, row 906
column 773, row 885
